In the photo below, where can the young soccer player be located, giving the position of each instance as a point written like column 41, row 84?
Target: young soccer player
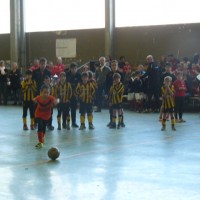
column 63, row 92
column 28, row 89
column 115, row 98
column 47, row 81
column 180, row 93
column 85, row 92
column 43, row 111
column 168, row 102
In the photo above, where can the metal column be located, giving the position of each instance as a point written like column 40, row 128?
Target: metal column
column 17, row 33
column 109, row 27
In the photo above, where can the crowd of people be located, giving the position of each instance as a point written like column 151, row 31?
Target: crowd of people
column 153, row 87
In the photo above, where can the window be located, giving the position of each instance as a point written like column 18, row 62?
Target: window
column 156, row 12
column 52, row 15
column 5, row 16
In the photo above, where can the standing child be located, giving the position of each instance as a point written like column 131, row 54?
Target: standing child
column 28, row 89
column 85, row 91
column 168, row 102
column 115, row 98
column 43, row 111
column 63, row 92
column 47, row 81
column 180, row 93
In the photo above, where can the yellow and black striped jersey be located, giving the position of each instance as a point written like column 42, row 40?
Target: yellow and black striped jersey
column 167, row 96
column 116, row 93
column 85, row 92
column 94, row 83
column 29, row 89
column 63, row 91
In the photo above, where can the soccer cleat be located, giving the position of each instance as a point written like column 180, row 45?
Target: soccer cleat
column 112, row 126
column 39, row 145
column 163, row 128
column 122, row 125
column 119, row 126
column 32, row 127
column 91, row 126
column 50, row 127
column 82, row 127
column 64, row 126
column 108, row 125
column 182, row 120
column 68, row 127
column 173, row 128
column 74, row 125
column 25, row 127
column 59, row 127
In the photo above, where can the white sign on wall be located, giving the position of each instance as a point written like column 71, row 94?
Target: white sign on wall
column 66, row 48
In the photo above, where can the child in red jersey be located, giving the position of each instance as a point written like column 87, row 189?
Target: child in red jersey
column 43, row 111
column 180, row 93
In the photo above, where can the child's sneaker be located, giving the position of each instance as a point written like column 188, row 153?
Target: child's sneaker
column 119, row 126
column 39, row 145
column 177, row 121
column 82, row 127
column 59, row 127
column 173, row 128
column 68, row 127
column 64, row 126
column 32, row 127
column 25, row 127
column 182, row 120
column 50, row 127
column 108, row 125
column 163, row 128
column 112, row 125
column 91, row 126
column 122, row 125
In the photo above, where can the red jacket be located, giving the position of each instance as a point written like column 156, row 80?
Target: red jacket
column 180, row 88
column 58, row 68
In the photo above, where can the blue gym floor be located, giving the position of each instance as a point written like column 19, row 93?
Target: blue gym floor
column 138, row 162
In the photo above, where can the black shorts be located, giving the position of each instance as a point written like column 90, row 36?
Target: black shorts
column 85, row 108
column 117, row 106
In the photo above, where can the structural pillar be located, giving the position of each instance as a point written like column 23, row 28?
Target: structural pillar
column 109, row 27
column 17, row 33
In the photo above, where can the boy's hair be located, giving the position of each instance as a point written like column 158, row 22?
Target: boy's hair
column 29, row 72
column 114, row 61
column 168, row 77
column 73, row 65
column 44, row 86
column 85, row 74
column 180, row 73
column 90, row 74
column 116, row 75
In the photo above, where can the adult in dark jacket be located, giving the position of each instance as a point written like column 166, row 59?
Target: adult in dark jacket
column 153, row 83
column 40, row 73
column 15, row 83
column 74, row 78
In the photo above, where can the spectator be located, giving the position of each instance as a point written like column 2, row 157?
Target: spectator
column 153, row 85
column 58, row 68
column 100, row 75
column 40, row 73
column 35, row 65
column 3, row 82
column 15, row 83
